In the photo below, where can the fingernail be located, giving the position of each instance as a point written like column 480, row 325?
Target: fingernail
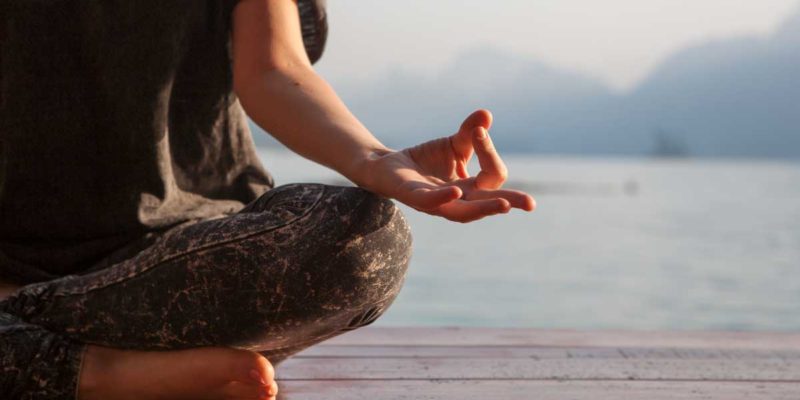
column 257, row 377
column 482, row 133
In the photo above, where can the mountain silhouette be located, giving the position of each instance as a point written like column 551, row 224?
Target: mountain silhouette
column 736, row 97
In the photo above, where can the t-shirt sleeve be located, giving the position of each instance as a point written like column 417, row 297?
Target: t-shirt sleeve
column 314, row 23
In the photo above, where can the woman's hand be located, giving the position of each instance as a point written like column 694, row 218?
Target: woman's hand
column 282, row 93
column 432, row 177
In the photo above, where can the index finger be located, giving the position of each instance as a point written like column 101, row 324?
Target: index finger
column 493, row 170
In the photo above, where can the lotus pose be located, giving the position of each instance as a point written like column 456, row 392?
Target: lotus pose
column 144, row 250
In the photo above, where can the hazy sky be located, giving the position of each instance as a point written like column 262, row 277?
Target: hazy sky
column 618, row 41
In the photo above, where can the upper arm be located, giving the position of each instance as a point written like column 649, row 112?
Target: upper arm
column 266, row 35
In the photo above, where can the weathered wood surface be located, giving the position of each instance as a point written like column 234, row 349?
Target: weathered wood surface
column 533, row 390
column 447, row 336
column 529, row 369
column 486, row 363
column 541, row 353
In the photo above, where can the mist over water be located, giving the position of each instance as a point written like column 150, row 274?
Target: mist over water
column 728, row 96
column 615, row 243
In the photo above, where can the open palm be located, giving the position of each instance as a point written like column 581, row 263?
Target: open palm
column 432, row 177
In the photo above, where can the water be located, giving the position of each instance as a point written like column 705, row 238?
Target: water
column 628, row 244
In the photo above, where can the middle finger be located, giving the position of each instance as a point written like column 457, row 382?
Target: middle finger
column 516, row 198
column 472, row 210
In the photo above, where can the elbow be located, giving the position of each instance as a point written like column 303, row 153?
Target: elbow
column 265, row 79
column 247, row 79
column 243, row 86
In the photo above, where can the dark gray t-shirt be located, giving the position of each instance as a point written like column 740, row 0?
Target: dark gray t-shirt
column 117, row 118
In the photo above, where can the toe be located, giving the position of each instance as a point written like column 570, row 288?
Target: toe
column 244, row 391
column 253, row 368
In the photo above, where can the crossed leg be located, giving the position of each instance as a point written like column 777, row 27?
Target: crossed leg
column 303, row 263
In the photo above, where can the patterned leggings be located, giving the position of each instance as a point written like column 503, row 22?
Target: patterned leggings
column 299, row 265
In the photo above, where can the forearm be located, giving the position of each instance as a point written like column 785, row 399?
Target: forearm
column 302, row 111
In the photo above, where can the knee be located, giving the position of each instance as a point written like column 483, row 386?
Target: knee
column 344, row 257
column 373, row 252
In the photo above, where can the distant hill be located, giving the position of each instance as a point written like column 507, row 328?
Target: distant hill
column 735, row 97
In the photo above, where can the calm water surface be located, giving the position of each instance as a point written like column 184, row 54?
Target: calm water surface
column 633, row 244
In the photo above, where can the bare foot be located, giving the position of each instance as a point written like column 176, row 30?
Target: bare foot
column 209, row 373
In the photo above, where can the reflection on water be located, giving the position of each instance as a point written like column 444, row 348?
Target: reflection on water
column 632, row 244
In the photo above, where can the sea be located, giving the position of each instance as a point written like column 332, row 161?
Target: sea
column 628, row 243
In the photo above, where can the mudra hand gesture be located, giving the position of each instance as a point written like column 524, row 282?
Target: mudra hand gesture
column 432, row 177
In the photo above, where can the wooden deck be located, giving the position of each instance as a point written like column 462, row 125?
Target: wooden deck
column 375, row 363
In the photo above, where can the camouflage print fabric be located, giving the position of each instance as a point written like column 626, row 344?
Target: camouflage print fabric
column 301, row 264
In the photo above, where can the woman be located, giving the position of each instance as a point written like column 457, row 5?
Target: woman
column 145, row 251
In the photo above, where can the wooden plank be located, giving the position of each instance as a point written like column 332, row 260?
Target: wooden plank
column 548, row 390
column 460, row 336
column 539, row 353
column 772, row 370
